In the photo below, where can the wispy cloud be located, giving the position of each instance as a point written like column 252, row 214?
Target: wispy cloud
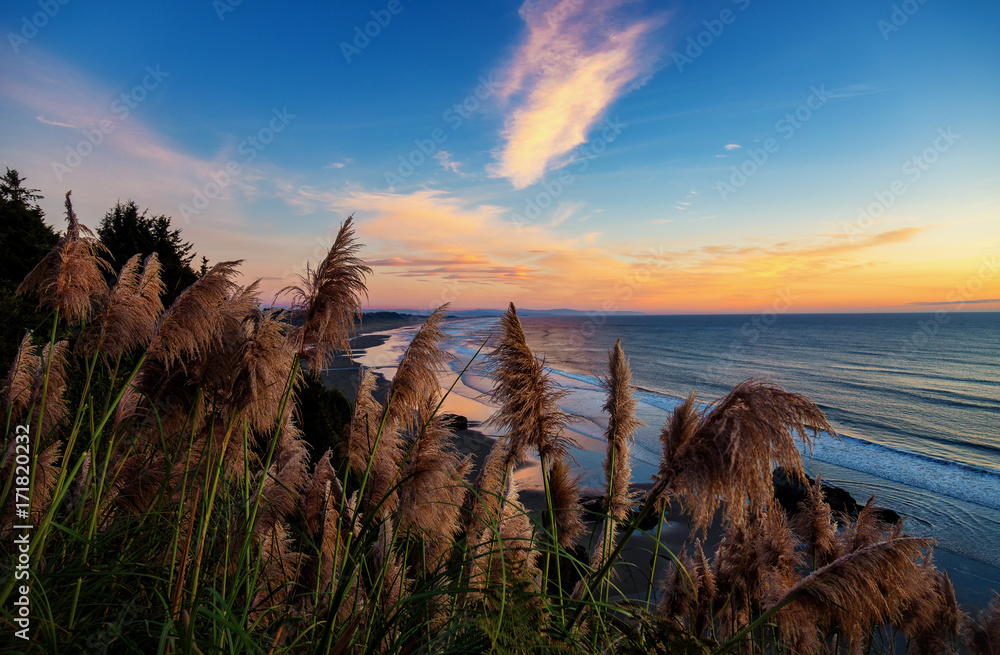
column 564, row 211
column 576, row 59
column 447, row 163
column 931, row 303
column 426, row 240
column 42, row 119
column 733, row 146
column 133, row 160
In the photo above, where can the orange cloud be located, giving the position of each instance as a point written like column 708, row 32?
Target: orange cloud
column 576, row 60
column 428, row 247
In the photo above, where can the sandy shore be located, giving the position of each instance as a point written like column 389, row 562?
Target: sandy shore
column 342, row 372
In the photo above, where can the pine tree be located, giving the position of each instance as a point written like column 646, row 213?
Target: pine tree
column 24, row 240
column 125, row 232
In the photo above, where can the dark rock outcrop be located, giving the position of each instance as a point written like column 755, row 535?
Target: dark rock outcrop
column 790, row 493
column 455, row 422
column 596, row 507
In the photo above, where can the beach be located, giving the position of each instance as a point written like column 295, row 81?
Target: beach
column 380, row 351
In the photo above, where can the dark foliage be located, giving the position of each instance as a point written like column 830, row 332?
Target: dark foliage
column 125, row 232
column 24, row 239
column 24, row 236
column 323, row 413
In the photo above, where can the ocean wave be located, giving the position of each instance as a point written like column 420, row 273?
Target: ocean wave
column 953, row 479
column 947, row 478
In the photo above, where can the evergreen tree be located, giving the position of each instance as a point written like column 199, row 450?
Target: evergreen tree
column 24, row 240
column 124, row 232
column 24, row 236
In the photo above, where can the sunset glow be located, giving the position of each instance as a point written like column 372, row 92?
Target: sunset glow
column 662, row 157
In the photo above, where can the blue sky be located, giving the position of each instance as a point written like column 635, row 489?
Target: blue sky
column 595, row 164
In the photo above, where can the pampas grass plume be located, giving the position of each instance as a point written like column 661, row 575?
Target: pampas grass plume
column 70, row 277
column 328, row 299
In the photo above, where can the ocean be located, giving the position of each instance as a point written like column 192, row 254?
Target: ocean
column 915, row 398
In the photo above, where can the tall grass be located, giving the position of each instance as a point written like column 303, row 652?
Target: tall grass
column 176, row 508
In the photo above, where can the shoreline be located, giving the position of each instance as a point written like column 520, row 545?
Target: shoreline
column 973, row 580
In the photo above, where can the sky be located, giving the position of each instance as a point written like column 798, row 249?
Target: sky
column 722, row 156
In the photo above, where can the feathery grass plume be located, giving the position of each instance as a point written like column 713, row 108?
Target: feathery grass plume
column 982, row 636
column 732, row 556
column 815, row 525
column 70, row 277
column 517, row 535
column 191, row 323
column 326, row 569
column 332, row 547
column 707, row 589
column 372, row 440
column 281, row 565
column 389, row 565
column 688, row 591
column 416, row 376
column 727, row 458
column 162, row 402
column 868, row 528
column 128, row 408
column 42, row 484
column 857, row 591
column 137, row 475
column 526, row 395
column 129, row 317
column 432, row 488
column 503, row 553
column 483, row 500
column 679, row 590
column 622, row 423
column 678, row 432
column 930, row 618
column 50, row 379
column 328, row 518
column 776, row 561
column 217, row 450
column 529, row 411
column 213, row 369
column 328, row 300
column 286, row 478
column 19, row 382
column 261, row 365
column 44, row 481
column 317, row 491
column 79, row 486
column 565, row 490
column 756, row 561
column 365, row 422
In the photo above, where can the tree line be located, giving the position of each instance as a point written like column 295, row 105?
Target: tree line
column 25, row 237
